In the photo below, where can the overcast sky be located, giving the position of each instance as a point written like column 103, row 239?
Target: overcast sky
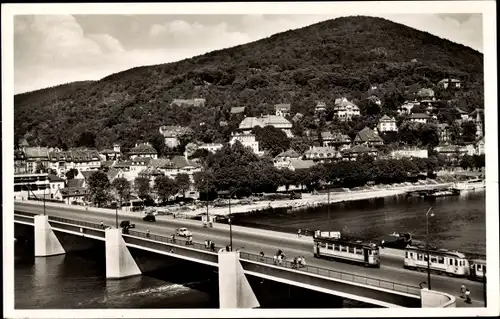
column 55, row 49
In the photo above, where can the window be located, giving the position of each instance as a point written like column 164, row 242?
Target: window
column 479, row 267
column 359, row 251
column 425, row 258
column 330, row 246
column 456, row 262
column 323, row 245
column 336, row 247
column 450, row 262
column 351, row 250
column 411, row 255
column 484, row 268
column 441, row 260
column 419, row 256
column 343, row 248
column 433, row 259
column 406, row 254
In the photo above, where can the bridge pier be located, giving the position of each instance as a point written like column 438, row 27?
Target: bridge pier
column 234, row 289
column 46, row 242
column 119, row 261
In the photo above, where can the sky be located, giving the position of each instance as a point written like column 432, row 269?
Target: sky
column 55, row 49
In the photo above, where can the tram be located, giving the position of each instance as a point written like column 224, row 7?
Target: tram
column 477, row 269
column 346, row 250
column 442, row 261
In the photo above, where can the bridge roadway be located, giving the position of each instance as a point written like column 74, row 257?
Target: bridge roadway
column 255, row 240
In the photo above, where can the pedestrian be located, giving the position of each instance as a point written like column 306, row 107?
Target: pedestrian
column 190, row 239
column 467, row 296
column 382, row 244
column 147, row 233
column 299, row 232
column 173, row 238
column 299, row 261
column 212, row 246
column 275, row 259
column 227, row 247
column 294, row 262
column 462, row 290
column 261, row 255
column 206, row 243
column 102, row 224
column 303, row 261
column 280, row 259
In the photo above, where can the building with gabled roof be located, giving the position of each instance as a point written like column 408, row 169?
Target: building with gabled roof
column 450, row 83
column 344, row 109
column 322, row 154
column 368, row 137
column 143, row 150
column 237, row 110
column 282, row 109
column 419, row 118
column 320, row 107
column 387, row 124
column 283, row 159
column 111, row 154
column 354, row 152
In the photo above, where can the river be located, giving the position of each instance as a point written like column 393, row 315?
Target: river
column 78, row 281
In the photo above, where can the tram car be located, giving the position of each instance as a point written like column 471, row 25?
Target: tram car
column 346, row 250
column 443, row 261
column 477, row 269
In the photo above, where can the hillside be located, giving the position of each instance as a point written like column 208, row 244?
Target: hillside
column 344, row 56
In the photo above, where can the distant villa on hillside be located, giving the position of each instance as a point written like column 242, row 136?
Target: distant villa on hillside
column 189, row 102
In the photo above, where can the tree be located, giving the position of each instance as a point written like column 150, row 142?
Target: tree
column 122, row 188
column 158, row 142
column 98, row 187
column 142, row 187
column 271, row 139
column 86, row 139
column 41, row 168
column 468, row 131
column 299, row 144
column 165, row 187
column 52, row 171
column 183, row 183
column 204, row 182
column 467, row 162
column 71, row 173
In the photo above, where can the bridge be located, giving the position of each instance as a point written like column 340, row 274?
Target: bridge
column 389, row 286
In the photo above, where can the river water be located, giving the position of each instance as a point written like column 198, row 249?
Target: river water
column 78, row 281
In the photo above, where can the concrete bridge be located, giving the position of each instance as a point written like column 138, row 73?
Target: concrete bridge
column 234, row 290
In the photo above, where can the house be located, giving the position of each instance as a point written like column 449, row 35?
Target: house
column 368, row 137
column 31, row 185
column 111, row 154
column 237, row 110
column 320, row 107
column 425, row 93
column 452, row 152
column 247, row 140
column 407, row 106
column 322, row 154
column 327, row 138
column 143, row 150
column 73, row 195
column 444, row 134
column 340, row 141
column 36, row 157
column 55, row 183
column 480, row 146
column 283, row 159
column 173, row 133
column 478, row 114
column 419, row 118
column 345, row 110
column 278, row 122
column 450, row 83
column 409, row 152
column 19, row 162
column 387, row 124
column 249, row 123
column 81, row 159
column 351, row 154
column 189, row 102
column 375, row 100
column 299, row 164
column 464, row 116
column 282, row 109
column 297, row 117
column 211, row 147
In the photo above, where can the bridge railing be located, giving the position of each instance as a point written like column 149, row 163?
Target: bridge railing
column 335, row 274
column 170, row 240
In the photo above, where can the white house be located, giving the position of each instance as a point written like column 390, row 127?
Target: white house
column 345, row 110
column 409, row 152
column 247, row 140
column 282, row 109
column 419, row 118
column 322, row 153
column 283, row 160
column 143, row 150
column 211, row 147
column 56, row 183
column 387, row 124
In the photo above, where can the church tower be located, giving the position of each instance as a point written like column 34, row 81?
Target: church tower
column 479, row 125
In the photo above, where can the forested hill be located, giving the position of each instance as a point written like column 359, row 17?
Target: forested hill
column 340, row 57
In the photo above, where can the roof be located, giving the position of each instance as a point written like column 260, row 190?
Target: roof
column 87, row 174
column 74, row 191
column 122, row 164
column 174, row 130
column 195, row 102
column 322, row 150
column 289, row 153
column 249, row 123
column 106, row 163
column 301, row 164
column 112, row 173
column 180, row 162
column 143, row 149
column 282, row 106
column 274, row 120
column 340, row 138
column 326, row 135
column 54, row 179
column 139, row 161
column 36, row 152
column 75, row 155
column 320, row 105
column 76, row 182
column 237, row 109
column 150, row 172
column 419, row 116
column 426, row 92
column 386, row 118
column 367, row 135
column 359, row 149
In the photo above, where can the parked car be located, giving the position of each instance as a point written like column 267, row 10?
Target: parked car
column 149, row 218
column 184, row 232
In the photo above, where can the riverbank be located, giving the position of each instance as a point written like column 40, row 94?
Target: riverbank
column 313, row 200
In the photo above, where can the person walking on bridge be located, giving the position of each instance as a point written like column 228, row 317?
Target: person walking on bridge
column 147, row 233
column 462, row 290
column 467, row 296
column 102, row 224
column 299, row 233
column 212, row 246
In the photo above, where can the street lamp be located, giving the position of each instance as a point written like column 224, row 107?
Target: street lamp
column 427, row 245
column 230, row 224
